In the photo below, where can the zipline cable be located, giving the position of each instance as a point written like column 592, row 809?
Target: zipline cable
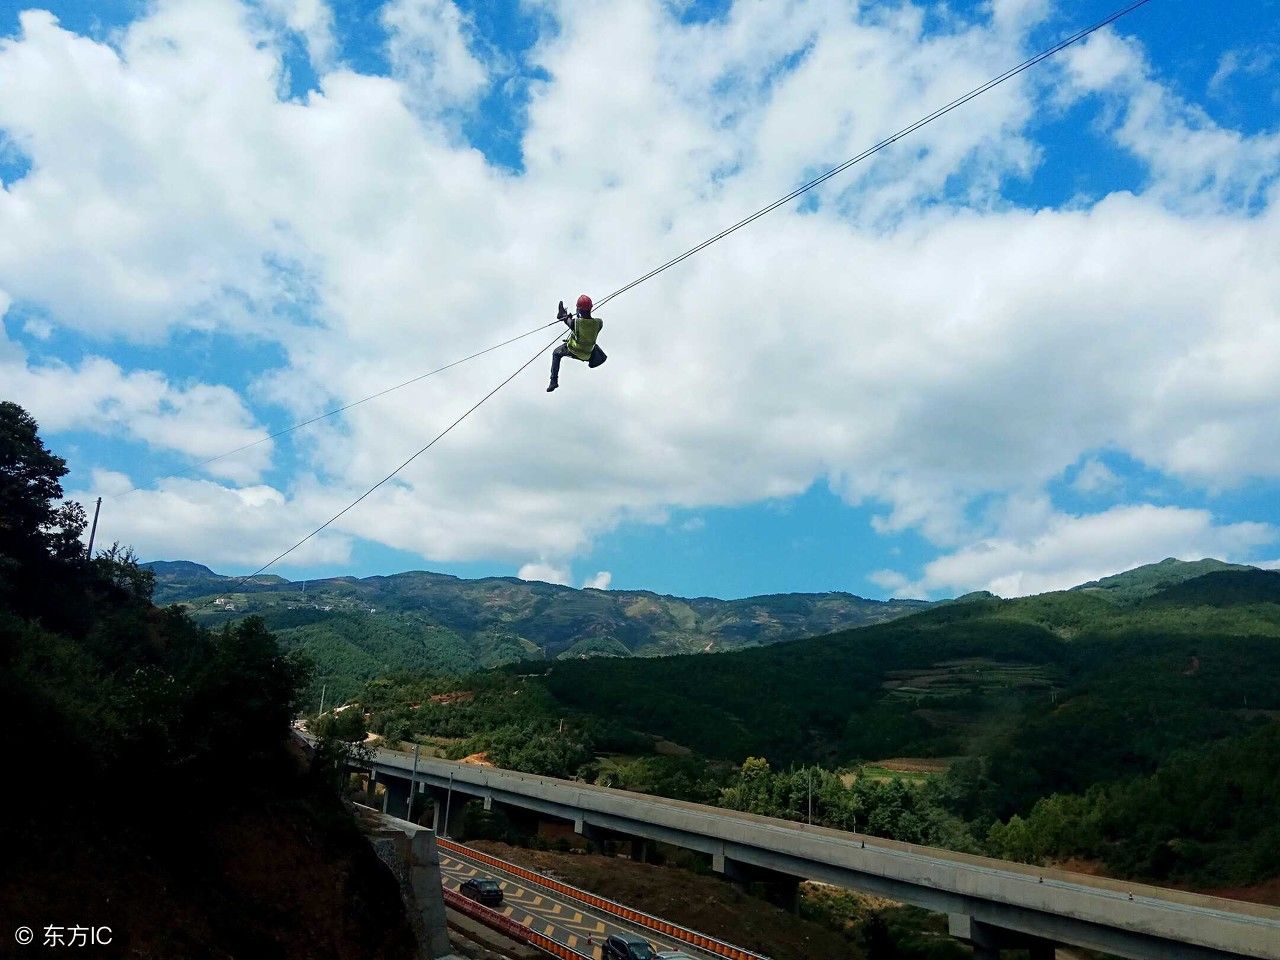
column 337, row 410
column 439, row 436
column 745, row 221
column 374, row 396
column 870, row 151
column 805, row 188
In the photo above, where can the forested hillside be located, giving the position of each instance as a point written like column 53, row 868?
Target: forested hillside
column 1138, row 731
column 142, row 724
column 358, row 629
column 1059, row 691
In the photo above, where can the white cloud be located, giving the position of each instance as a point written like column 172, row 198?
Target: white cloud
column 892, row 582
column 198, row 420
column 544, row 572
column 240, row 529
column 600, row 581
column 313, row 20
column 37, row 327
column 915, row 341
column 1070, row 550
column 1250, row 60
column 1195, row 163
column 1095, row 477
column 430, row 54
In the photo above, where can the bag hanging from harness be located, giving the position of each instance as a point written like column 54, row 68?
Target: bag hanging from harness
column 583, row 338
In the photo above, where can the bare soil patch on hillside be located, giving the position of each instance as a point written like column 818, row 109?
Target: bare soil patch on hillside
column 917, row 764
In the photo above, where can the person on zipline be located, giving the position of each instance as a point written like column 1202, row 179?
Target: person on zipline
column 581, row 342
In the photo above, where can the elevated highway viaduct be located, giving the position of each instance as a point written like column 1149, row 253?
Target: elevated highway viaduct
column 993, row 904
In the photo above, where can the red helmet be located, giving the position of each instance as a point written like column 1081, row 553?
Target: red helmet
column 584, row 305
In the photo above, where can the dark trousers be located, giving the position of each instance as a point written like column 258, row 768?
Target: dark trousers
column 559, row 353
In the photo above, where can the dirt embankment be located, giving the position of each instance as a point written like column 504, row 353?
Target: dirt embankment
column 281, row 884
column 704, row 903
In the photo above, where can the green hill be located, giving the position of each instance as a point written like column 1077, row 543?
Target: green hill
column 1139, row 734
column 358, row 629
column 1225, row 588
column 1056, row 692
column 1150, row 579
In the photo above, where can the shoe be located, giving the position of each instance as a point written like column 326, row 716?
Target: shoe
column 552, row 386
column 563, row 313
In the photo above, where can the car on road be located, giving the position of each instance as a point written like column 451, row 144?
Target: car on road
column 483, row 890
column 627, row 946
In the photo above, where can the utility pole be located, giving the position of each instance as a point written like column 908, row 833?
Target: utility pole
column 413, row 784
column 811, row 796
column 93, row 531
column 448, row 799
column 324, row 687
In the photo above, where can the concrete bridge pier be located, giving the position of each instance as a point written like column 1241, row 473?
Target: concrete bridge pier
column 780, row 889
column 450, row 806
column 641, row 850
column 988, row 940
column 395, row 801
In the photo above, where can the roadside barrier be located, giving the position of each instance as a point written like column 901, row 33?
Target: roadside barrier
column 637, row 917
column 505, row 925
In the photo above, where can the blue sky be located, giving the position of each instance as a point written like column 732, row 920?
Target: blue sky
column 1032, row 346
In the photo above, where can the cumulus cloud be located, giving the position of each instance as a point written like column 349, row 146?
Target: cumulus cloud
column 544, row 572
column 1195, row 163
column 198, row 420
column 239, row 528
column 430, row 54
column 1095, row 477
column 1069, row 550
column 600, row 581
column 909, row 337
column 312, row 20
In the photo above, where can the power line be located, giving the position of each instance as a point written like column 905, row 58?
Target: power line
column 439, row 436
column 870, row 151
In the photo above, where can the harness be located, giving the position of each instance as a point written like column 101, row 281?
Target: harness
column 583, row 338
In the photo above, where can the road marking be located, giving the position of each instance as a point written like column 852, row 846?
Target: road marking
column 537, row 900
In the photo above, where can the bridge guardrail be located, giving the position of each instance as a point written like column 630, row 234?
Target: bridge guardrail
column 511, row 928
column 621, row 911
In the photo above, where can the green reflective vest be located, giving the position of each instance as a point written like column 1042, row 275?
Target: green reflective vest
column 583, row 339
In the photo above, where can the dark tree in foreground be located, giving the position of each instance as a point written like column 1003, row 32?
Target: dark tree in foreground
column 38, row 531
column 33, row 518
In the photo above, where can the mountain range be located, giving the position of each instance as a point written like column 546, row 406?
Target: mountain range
column 357, row 629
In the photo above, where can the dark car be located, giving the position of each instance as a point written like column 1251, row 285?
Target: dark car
column 627, row 946
column 483, row 890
